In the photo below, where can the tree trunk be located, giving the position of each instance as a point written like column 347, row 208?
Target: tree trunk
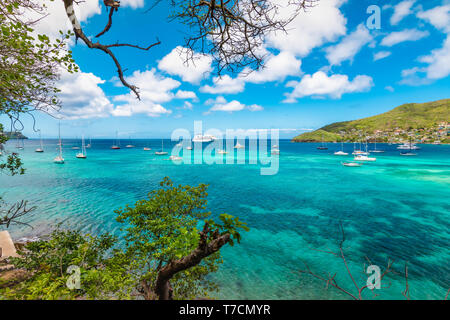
column 203, row 250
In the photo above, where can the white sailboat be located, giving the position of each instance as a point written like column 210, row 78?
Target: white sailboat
column 376, row 150
column 116, row 145
column 59, row 159
column 239, row 146
column 89, row 144
column 409, row 153
column 130, row 145
column 161, row 152
column 41, row 148
column 20, row 144
column 82, row 154
column 341, row 152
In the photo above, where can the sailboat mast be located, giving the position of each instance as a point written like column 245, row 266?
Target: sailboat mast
column 40, row 138
column 59, row 135
column 83, row 146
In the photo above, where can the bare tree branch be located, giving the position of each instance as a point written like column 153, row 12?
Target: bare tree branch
column 79, row 34
column 15, row 212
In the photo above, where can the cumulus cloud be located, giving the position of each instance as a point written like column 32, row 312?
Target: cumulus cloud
column 438, row 61
column 381, row 55
column 439, row 17
column 349, row 46
column 402, row 10
column 276, row 68
column 192, row 71
column 134, row 4
column 320, row 24
column 321, row 85
column 56, row 18
column 181, row 94
column 401, row 36
column 225, row 85
column 221, row 104
column 82, row 97
column 154, row 90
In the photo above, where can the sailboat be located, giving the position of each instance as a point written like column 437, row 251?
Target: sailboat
column 19, row 144
column 161, row 152
column 116, row 145
column 376, row 150
column 89, row 144
column 341, row 152
column 82, row 154
column 359, row 152
column 129, row 145
column 41, row 148
column 409, row 153
column 323, row 146
column 239, row 146
column 59, row 159
column 364, row 156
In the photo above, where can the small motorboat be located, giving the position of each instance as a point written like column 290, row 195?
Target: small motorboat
column 364, row 158
column 351, row 164
column 408, row 154
column 147, row 149
column 222, row 152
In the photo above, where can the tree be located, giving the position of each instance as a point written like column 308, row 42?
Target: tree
column 170, row 247
column 46, row 269
column 30, row 64
column 233, row 32
column 171, row 252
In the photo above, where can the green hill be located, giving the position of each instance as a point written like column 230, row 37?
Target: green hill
column 424, row 119
column 14, row 135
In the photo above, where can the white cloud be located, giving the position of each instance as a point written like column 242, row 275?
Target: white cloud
column 134, row 4
column 320, row 85
column 221, row 104
column 381, row 55
column 349, row 46
column 56, row 18
column 439, row 17
column 186, row 95
column 81, row 96
column 192, row 71
column 402, row 10
column 410, row 77
column 320, row 24
column 187, row 105
column 154, row 90
column 402, row 36
column 438, row 61
column 276, row 68
column 389, row 88
column 225, row 85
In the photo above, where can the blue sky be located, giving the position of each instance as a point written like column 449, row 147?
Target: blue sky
column 330, row 67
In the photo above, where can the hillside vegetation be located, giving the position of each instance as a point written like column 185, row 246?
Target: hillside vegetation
column 408, row 117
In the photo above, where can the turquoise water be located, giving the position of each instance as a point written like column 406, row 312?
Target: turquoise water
column 397, row 207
